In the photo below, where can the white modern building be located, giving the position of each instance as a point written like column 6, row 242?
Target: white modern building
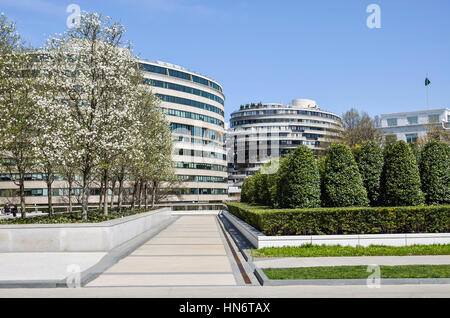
column 194, row 106
column 259, row 133
column 414, row 125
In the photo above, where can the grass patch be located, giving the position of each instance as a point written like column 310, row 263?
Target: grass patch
column 358, row 272
column 335, row 251
column 75, row 217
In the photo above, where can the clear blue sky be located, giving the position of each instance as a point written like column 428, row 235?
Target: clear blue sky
column 275, row 51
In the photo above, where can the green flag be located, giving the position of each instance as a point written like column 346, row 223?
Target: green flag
column 427, row 81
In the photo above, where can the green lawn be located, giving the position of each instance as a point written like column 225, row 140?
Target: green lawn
column 329, row 251
column 358, row 272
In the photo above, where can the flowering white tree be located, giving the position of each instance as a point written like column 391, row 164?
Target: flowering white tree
column 94, row 78
column 17, row 107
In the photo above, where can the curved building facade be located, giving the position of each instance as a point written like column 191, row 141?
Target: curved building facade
column 260, row 132
column 194, row 106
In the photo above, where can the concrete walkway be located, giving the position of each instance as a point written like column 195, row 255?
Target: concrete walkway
column 38, row 267
column 292, row 262
column 190, row 252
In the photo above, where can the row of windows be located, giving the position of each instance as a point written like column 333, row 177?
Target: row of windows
column 198, row 141
column 178, row 74
column 273, row 120
column 201, row 154
column 211, row 179
column 285, row 112
column 44, row 192
column 184, row 89
column 194, row 116
column 413, row 120
column 190, row 102
column 198, row 191
column 195, row 131
column 28, row 177
column 201, row 166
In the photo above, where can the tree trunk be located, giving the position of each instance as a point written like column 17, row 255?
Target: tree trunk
column 113, row 188
column 100, row 201
column 49, row 192
column 105, row 205
column 85, row 197
column 120, row 199
column 155, row 184
column 23, row 212
column 134, row 195
column 146, row 195
column 140, row 195
column 70, row 195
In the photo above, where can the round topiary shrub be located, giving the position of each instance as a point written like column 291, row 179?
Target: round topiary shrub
column 342, row 184
column 369, row 158
column 401, row 184
column 298, row 182
column 435, row 173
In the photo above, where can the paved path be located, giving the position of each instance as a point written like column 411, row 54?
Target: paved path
column 292, row 262
column 44, row 266
column 190, row 252
column 249, row 292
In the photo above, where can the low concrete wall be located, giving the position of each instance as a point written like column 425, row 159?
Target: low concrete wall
column 259, row 240
column 89, row 237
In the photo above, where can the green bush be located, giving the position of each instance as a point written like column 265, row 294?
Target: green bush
column 298, row 184
column 248, row 190
column 342, row 184
column 369, row 158
column 337, row 221
column 401, row 184
column 435, row 173
column 417, row 152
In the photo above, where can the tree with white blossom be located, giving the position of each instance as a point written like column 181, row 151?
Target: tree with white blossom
column 95, row 78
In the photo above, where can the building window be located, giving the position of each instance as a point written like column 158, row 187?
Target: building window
column 433, row 119
column 413, row 120
column 411, row 138
column 392, row 122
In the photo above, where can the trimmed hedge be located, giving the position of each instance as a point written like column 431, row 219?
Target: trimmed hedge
column 336, row 221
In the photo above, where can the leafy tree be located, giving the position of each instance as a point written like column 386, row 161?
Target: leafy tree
column 359, row 128
column 369, row 158
column 248, row 190
column 18, row 111
column 299, row 180
column 401, row 184
column 343, row 185
column 435, row 173
column 95, row 79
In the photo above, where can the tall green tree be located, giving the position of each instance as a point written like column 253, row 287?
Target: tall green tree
column 299, row 180
column 435, row 173
column 401, row 184
column 369, row 157
column 343, row 185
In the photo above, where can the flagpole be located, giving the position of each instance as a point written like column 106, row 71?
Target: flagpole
column 428, row 94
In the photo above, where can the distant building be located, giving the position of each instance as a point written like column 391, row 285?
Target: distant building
column 412, row 126
column 260, row 132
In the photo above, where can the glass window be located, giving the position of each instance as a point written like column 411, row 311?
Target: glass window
column 433, row 118
column 413, row 120
column 392, row 122
column 411, row 138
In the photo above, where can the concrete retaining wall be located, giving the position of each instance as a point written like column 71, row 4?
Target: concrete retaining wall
column 259, row 240
column 90, row 237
